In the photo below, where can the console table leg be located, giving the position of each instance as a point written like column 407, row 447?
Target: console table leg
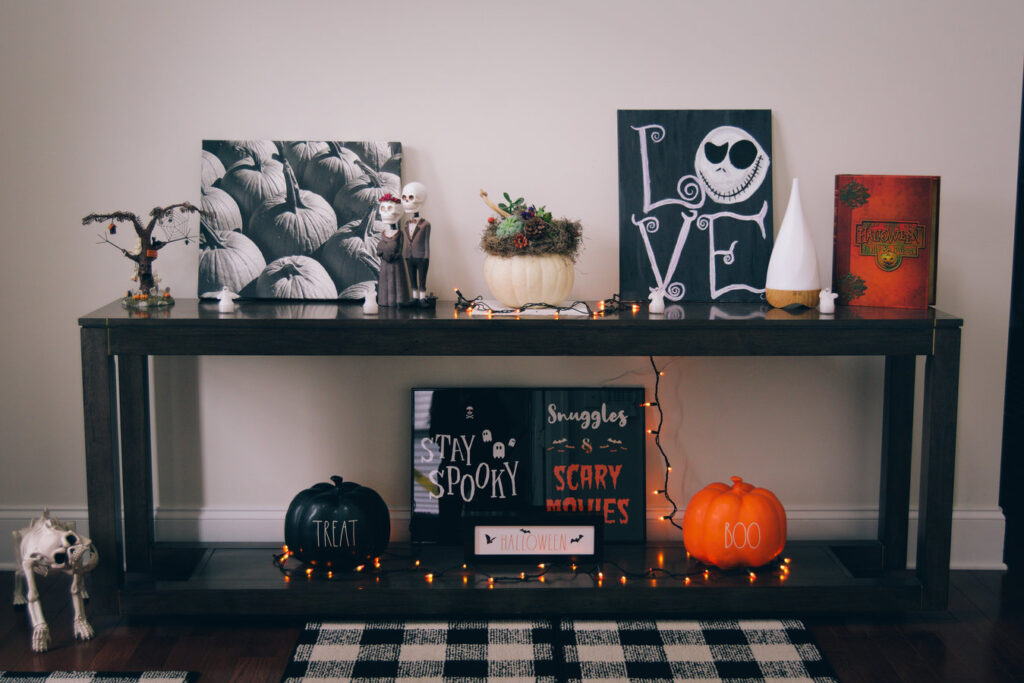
column 101, row 470
column 136, row 462
column 938, row 459
column 897, row 446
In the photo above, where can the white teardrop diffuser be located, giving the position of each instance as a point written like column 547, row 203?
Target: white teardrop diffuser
column 793, row 268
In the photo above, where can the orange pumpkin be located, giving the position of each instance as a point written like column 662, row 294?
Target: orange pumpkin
column 737, row 526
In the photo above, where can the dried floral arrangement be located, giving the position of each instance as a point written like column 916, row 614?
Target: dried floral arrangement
column 524, row 229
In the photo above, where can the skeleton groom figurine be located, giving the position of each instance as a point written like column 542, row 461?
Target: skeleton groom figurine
column 393, row 283
column 48, row 545
column 417, row 235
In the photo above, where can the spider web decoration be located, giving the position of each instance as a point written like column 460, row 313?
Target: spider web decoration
column 174, row 225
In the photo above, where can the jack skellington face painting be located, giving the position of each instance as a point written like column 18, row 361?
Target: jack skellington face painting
column 694, row 205
column 730, row 164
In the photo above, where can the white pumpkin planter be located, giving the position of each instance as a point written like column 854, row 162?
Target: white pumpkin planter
column 518, row 280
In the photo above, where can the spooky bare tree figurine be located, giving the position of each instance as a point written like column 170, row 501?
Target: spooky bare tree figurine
column 173, row 222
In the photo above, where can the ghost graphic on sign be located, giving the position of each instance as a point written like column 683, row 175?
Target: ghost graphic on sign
column 498, row 451
column 695, row 188
column 486, row 436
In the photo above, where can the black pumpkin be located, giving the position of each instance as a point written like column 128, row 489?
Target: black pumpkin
column 337, row 526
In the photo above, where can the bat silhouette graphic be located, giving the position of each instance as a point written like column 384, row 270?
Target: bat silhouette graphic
column 576, row 540
column 525, row 531
column 490, row 539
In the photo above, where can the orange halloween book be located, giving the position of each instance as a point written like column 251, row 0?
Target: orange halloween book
column 886, row 234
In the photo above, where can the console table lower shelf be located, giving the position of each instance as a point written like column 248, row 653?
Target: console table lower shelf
column 236, row 579
column 117, row 346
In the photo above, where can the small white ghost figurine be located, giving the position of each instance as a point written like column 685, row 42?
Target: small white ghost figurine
column 370, row 302
column 827, row 301
column 225, row 299
column 657, row 298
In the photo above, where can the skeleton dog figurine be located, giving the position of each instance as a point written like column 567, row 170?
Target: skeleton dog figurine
column 48, row 545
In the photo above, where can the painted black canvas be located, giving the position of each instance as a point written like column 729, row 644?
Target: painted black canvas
column 695, row 204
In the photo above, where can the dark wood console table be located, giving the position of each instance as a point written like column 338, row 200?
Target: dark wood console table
column 236, row 579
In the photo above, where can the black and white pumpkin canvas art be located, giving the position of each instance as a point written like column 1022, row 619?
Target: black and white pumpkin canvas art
column 294, row 219
column 695, row 204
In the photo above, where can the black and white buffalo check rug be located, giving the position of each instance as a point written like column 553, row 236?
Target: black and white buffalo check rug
column 98, row 676
column 558, row 650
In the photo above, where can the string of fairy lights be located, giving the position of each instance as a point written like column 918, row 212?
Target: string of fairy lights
column 391, row 564
column 477, row 304
column 656, row 433
column 599, row 572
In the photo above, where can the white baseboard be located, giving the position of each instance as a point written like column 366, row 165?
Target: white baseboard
column 977, row 541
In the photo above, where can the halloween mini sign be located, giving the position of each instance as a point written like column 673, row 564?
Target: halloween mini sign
column 511, row 451
column 695, row 197
column 534, row 536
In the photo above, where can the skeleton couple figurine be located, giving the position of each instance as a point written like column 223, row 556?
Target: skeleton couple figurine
column 48, row 546
column 404, row 251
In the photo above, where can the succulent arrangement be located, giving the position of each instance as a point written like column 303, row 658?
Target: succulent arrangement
column 521, row 229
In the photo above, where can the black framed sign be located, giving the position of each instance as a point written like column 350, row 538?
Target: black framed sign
column 511, row 451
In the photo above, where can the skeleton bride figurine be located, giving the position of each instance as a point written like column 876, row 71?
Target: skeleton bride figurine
column 417, row 235
column 393, row 284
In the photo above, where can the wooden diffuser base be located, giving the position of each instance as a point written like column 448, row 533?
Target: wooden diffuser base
column 780, row 298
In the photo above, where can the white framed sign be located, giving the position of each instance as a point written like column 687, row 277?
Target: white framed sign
column 533, row 540
column 534, row 537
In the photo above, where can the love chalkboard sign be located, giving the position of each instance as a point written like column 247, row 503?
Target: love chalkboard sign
column 518, row 450
column 695, row 204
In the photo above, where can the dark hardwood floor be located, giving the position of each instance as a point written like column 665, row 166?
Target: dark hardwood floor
column 979, row 638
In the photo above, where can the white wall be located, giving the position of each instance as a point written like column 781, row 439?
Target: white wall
column 104, row 105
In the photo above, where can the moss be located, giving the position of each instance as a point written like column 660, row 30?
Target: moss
column 560, row 236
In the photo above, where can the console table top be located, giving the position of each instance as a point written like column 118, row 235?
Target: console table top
column 312, row 314
column 258, row 328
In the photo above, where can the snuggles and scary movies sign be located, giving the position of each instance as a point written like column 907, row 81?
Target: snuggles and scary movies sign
column 513, row 450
